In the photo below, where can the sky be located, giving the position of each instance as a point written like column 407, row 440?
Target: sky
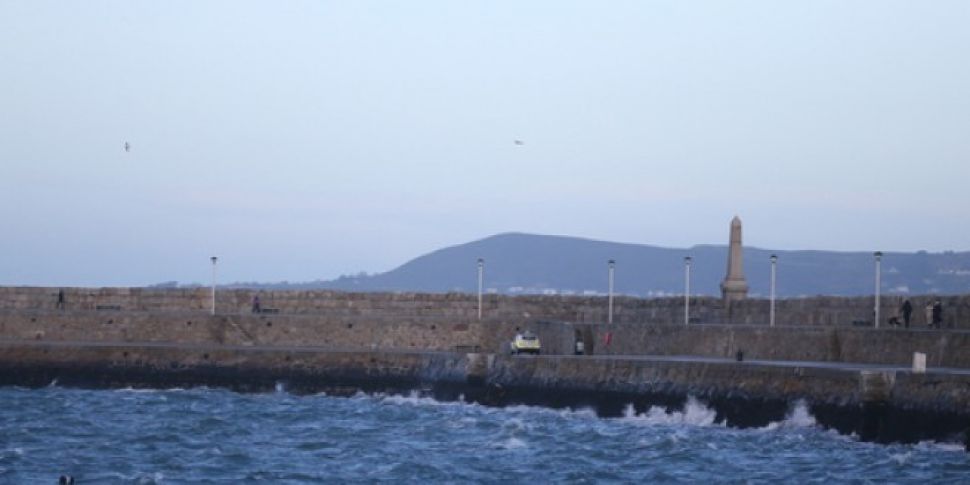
column 303, row 140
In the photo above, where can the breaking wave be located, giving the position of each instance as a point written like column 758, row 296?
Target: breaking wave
column 798, row 417
column 694, row 413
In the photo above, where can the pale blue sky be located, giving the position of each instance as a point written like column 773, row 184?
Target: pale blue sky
column 303, row 140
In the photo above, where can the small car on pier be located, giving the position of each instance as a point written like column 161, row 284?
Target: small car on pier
column 525, row 343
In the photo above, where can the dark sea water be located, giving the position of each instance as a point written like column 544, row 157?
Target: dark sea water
column 216, row 436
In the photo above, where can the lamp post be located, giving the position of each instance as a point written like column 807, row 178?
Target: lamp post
column 687, row 261
column 481, row 281
column 609, row 317
column 771, row 311
column 214, row 260
column 878, row 256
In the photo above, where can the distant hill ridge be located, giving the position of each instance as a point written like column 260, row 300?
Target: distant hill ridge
column 517, row 263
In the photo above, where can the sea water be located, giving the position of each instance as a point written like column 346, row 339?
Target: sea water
column 217, row 436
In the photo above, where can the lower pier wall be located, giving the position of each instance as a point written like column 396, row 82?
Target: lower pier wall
column 879, row 406
column 817, row 344
column 947, row 348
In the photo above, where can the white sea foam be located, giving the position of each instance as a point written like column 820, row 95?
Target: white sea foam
column 901, row 458
column 280, row 387
column 677, row 436
column 414, row 398
column 514, row 424
column 798, row 417
column 12, row 452
column 941, row 446
column 694, row 413
column 512, row 443
column 587, row 413
column 138, row 478
column 155, row 478
column 139, row 391
column 519, row 409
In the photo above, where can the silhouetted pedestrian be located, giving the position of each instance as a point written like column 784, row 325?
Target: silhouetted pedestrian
column 60, row 299
column 937, row 314
column 907, row 311
column 257, row 308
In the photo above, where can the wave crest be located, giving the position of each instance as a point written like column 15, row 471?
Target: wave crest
column 694, row 413
column 798, row 417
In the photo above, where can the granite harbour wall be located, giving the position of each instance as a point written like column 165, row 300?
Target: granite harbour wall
column 944, row 348
column 817, row 311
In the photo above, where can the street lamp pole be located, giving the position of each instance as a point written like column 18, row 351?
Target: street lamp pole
column 774, row 263
column 214, row 259
column 878, row 255
column 610, row 314
column 687, row 261
column 481, row 282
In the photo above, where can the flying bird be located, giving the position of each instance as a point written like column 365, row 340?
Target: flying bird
column 127, row 147
column 519, row 142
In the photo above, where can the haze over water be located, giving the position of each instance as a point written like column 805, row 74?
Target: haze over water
column 217, row 436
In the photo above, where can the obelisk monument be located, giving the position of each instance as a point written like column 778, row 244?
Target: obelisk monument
column 734, row 287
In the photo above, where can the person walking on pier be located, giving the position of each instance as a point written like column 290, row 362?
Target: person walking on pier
column 907, row 311
column 257, row 308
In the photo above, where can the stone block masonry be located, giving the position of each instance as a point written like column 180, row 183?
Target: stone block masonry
column 384, row 332
column 817, row 311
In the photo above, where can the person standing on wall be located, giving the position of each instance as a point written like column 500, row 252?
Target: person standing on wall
column 60, row 299
column 907, row 311
column 937, row 314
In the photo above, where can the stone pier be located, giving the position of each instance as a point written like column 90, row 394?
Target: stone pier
column 855, row 379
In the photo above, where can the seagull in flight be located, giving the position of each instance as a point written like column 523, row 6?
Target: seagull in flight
column 127, row 147
column 519, row 142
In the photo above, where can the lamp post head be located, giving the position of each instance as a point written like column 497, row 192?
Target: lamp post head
column 214, row 259
column 688, row 260
column 481, row 261
column 774, row 258
column 612, row 263
column 878, row 255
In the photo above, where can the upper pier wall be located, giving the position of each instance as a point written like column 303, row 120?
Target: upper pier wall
column 822, row 311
